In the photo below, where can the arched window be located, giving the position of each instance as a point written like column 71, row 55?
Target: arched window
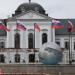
column 44, row 38
column 17, row 58
column 2, row 58
column 17, row 40
column 30, row 40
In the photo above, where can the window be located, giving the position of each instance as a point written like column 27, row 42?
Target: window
column 23, row 9
column 2, row 58
column 2, row 44
column 17, row 58
column 30, row 40
column 58, row 43
column 36, row 9
column 74, row 45
column 44, row 38
column 31, row 58
column 17, row 40
column 67, row 45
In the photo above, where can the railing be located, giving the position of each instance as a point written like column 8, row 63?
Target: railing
column 20, row 49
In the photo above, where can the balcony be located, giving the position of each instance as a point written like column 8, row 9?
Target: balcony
column 18, row 50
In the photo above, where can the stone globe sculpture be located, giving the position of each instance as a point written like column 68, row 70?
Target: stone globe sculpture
column 50, row 54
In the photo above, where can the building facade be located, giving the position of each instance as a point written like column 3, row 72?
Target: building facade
column 19, row 46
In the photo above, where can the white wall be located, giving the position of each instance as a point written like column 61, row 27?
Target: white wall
column 24, row 34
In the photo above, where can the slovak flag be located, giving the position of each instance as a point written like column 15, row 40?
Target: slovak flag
column 70, row 26
column 57, row 24
column 3, row 27
column 19, row 26
column 36, row 26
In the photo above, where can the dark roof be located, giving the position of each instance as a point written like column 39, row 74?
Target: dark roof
column 30, row 6
column 64, row 30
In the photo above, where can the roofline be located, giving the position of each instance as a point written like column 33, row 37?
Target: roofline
column 32, row 12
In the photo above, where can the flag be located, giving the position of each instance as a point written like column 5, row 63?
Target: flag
column 20, row 27
column 57, row 24
column 3, row 27
column 36, row 26
column 70, row 26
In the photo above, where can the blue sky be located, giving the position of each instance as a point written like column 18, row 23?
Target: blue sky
column 55, row 8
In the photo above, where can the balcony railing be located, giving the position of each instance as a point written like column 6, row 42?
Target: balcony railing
column 19, row 50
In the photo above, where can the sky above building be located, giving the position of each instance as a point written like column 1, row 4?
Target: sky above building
column 54, row 8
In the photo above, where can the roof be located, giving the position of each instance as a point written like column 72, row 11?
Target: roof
column 64, row 30
column 30, row 6
column 31, row 11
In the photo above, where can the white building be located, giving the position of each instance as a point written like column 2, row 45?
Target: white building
column 18, row 46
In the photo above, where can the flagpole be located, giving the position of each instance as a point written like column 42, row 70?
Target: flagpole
column 16, row 26
column 69, row 49
column 34, row 42
column 70, row 30
column 16, row 23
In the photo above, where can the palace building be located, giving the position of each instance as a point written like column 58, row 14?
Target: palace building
column 19, row 46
